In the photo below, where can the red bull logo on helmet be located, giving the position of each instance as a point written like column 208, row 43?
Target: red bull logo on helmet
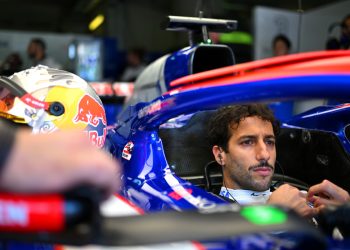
column 92, row 113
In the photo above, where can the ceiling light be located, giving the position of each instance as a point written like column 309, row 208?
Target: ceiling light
column 96, row 22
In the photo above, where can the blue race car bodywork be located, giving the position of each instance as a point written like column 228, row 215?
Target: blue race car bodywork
column 149, row 180
column 152, row 183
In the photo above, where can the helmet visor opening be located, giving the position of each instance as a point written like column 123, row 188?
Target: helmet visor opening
column 7, row 99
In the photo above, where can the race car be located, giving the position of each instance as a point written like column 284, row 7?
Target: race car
column 168, row 164
column 311, row 146
column 162, row 140
column 317, row 75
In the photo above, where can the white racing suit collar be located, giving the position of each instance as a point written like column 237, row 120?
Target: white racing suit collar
column 245, row 197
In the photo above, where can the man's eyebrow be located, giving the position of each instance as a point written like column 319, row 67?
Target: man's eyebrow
column 247, row 137
column 255, row 136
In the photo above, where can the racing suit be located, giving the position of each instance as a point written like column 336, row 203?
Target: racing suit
column 245, row 197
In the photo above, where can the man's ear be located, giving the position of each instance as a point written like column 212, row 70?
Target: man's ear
column 219, row 155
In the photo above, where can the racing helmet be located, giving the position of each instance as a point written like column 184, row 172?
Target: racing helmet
column 49, row 99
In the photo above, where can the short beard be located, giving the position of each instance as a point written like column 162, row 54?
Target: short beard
column 246, row 181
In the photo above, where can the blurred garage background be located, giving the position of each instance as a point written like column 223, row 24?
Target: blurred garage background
column 127, row 24
column 92, row 37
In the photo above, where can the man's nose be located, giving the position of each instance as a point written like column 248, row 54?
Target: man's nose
column 262, row 152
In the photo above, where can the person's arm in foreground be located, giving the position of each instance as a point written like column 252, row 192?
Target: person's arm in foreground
column 54, row 162
column 327, row 193
column 291, row 197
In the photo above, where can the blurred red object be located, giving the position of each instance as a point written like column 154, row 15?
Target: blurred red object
column 103, row 88
column 123, row 88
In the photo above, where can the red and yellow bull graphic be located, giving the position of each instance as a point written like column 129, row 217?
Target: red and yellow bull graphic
column 92, row 113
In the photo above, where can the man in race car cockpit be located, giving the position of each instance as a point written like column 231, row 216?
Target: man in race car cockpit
column 243, row 143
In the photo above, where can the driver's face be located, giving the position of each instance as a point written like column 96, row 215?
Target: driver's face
column 251, row 156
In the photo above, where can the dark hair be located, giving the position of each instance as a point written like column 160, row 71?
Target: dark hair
column 220, row 126
column 282, row 38
column 39, row 42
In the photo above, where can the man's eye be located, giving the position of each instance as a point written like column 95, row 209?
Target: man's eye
column 270, row 142
column 247, row 142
